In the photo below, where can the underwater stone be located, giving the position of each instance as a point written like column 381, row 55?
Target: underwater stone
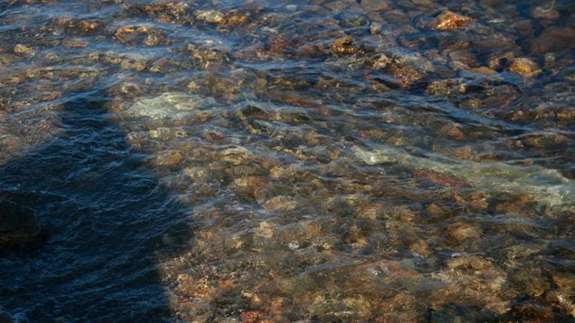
column 544, row 186
column 169, row 105
column 344, row 46
column 450, row 21
column 525, row 67
column 210, row 16
column 23, row 50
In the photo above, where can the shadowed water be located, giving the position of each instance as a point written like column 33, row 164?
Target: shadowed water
column 105, row 217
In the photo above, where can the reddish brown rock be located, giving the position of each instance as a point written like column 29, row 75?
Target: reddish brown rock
column 450, row 21
column 344, row 46
column 462, row 231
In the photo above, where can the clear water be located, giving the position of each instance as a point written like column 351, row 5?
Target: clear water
column 276, row 161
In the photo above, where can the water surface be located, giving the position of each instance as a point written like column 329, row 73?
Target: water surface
column 276, row 161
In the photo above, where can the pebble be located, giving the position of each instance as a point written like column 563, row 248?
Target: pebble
column 542, row 12
column 210, row 16
column 23, row 50
column 462, row 231
column 525, row 67
column 374, row 5
column 344, row 46
column 293, row 245
column 280, row 203
column 453, row 131
column 451, row 21
column 169, row 158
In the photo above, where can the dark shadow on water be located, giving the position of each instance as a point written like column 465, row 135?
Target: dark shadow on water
column 106, row 218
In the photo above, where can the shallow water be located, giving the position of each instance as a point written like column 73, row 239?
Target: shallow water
column 275, row 161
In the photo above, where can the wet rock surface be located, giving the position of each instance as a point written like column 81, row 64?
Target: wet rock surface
column 328, row 161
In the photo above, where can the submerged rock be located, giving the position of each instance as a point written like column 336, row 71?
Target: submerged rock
column 169, row 105
column 462, row 231
column 472, row 280
column 280, row 203
column 554, row 39
column 544, row 186
column 405, row 75
column 23, row 50
column 344, row 46
column 545, row 13
column 525, row 67
column 374, row 5
column 133, row 34
column 210, row 16
column 450, row 21
column 168, row 11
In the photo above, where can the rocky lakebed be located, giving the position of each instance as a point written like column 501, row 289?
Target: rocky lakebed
column 287, row 161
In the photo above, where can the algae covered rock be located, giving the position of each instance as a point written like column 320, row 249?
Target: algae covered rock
column 23, row 50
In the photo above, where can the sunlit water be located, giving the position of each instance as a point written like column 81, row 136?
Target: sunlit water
column 275, row 161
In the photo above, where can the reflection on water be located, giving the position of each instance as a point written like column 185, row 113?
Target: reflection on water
column 330, row 160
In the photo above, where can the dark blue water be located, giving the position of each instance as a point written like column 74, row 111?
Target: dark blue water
column 104, row 214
